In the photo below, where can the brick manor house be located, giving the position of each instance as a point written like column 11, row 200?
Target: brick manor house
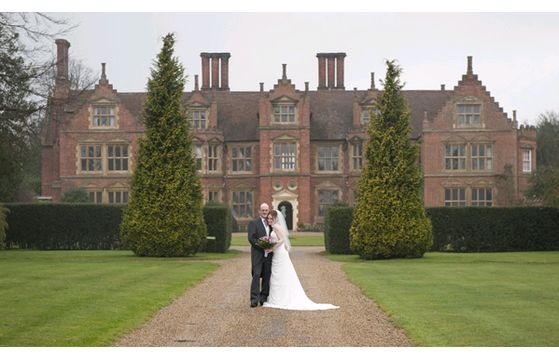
column 297, row 149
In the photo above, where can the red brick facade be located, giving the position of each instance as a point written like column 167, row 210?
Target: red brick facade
column 295, row 149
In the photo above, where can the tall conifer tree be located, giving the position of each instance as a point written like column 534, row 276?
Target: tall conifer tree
column 164, row 216
column 389, row 219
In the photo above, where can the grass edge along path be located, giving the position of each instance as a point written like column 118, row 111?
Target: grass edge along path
column 450, row 299
column 88, row 298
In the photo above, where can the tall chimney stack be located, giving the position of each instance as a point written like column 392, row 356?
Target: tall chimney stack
column 218, row 76
column 62, row 82
column 340, row 71
column 334, row 77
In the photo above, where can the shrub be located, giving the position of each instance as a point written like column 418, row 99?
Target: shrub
column 337, row 222
column 218, row 221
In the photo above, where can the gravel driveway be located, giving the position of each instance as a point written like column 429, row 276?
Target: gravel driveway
column 216, row 312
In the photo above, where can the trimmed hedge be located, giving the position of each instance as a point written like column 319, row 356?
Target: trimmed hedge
column 467, row 229
column 63, row 226
column 337, row 222
column 92, row 227
column 473, row 229
column 220, row 226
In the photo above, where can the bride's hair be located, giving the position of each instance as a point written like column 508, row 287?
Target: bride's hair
column 274, row 215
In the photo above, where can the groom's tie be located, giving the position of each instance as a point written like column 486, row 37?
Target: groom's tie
column 266, row 227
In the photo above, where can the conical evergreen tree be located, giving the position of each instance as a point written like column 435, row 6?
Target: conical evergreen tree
column 389, row 219
column 164, row 216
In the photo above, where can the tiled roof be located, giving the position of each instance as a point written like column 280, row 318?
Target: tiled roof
column 331, row 111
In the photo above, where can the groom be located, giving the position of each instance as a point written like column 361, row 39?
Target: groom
column 261, row 265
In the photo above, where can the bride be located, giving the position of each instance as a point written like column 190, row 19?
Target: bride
column 286, row 291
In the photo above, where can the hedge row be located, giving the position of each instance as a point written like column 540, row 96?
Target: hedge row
column 91, row 227
column 63, row 226
column 468, row 229
column 473, row 229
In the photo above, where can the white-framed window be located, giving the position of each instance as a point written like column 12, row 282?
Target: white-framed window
column 328, row 158
column 468, row 115
column 482, row 196
column 91, row 158
column 284, row 113
column 104, row 116
column 285, row 156
column 325, row 198
column 366, row 114
column 241, row 159
column 482, row 157
column 357, row 155
column 454, row 197
column 242, row 204
column 198, row 118
column 96, row 197
column 527, row 161
column 213, row 158
column 198, row 156
column 455, row 157
column 117, row 157
column 118, row 196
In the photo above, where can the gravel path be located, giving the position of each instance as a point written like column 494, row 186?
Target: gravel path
column 216, row 312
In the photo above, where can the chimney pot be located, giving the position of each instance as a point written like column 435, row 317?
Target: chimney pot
column 284, row 74
column 373, row 81
column 442, row 87
column 514, row 115
column 196, row 83
column 261, row 87
column 306, row 86
column 470, row 68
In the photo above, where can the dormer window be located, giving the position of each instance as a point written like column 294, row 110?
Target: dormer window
column 366, row 114
column 468, row 115
column 198, row 118
column 284, row 113
column 104, row 116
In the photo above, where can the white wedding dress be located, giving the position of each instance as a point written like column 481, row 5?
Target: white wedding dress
column 286, row 291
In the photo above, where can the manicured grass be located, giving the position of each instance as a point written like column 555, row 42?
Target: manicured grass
column 87, row 298
column 446, row 299
column 298, row 239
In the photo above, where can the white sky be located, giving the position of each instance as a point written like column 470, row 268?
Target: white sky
column 515, row 55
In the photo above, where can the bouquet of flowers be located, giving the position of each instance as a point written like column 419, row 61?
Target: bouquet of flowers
column 266, row 243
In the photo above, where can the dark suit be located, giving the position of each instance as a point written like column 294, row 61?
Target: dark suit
column 261, row 266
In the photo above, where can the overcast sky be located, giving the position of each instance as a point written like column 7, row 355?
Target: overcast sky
column 516, row 55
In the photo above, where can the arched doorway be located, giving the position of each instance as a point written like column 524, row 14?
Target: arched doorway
column 287, row 210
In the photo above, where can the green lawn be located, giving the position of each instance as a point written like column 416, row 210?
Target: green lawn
column 299, row 239
column 447, row 299
column 87, row 298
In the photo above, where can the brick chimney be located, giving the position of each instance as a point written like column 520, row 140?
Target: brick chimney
column 62, row 82
column 219, row 71
column 334, row 77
